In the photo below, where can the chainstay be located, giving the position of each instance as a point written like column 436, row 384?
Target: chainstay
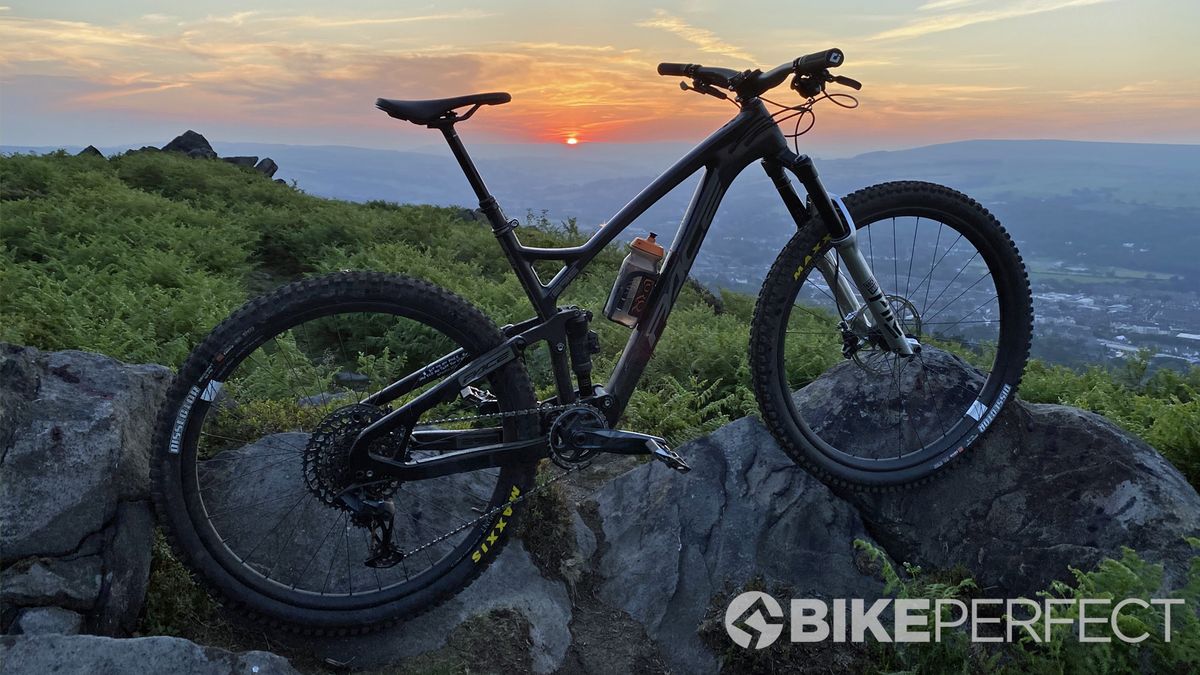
column 499, row 508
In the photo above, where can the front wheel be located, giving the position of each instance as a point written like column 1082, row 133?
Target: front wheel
column 829, row 389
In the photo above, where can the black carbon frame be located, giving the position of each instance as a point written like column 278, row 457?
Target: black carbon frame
column 752, row 135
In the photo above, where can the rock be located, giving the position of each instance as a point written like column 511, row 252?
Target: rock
column 126, row 569
column 189, row 141
column 47, row 620
column 71, row 583
column 75, row 521
column 673, row 541
column 201, row 153
column 241, row 161
column 512, row 582
column 141, row 656
column 1049, row 486
column 90, row 151
column 79, row 425
column 267, row 166
column 281, row 181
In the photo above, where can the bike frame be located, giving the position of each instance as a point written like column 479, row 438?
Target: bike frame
column 752, row 135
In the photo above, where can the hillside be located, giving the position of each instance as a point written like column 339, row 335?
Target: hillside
column 139, row 256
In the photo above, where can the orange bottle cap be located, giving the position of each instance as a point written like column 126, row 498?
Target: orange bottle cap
column 649, row 245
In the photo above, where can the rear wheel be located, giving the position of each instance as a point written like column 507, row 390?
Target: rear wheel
column 251, row 441
column 831, row 392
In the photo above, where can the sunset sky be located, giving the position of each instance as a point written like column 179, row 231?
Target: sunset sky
column 107, row 73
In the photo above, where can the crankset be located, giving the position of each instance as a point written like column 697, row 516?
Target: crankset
column 581, row 433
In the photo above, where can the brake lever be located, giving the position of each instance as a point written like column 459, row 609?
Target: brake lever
column 702, row 88
column 847, row 82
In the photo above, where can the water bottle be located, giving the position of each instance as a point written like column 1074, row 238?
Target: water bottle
column 635, row 280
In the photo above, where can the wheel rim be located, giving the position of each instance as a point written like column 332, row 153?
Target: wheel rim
column 290, row 545
column 945, row 287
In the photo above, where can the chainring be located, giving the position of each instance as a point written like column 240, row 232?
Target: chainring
column 325, row 472
column 563, row 450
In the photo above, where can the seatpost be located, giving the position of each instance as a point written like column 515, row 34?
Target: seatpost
column 487, row 203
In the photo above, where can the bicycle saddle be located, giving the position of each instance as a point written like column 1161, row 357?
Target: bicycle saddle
column 424, row 112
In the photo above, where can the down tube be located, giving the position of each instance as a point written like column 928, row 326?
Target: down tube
column 679, row 261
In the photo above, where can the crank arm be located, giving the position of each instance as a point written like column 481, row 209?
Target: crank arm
column 460, row 461
column 621, row 442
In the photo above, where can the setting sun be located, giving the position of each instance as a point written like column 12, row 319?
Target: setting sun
column 572, row 140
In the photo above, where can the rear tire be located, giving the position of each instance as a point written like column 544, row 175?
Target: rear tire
column 177, row 476
column 808, row 442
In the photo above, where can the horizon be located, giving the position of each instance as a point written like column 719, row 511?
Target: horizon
column 935, row 71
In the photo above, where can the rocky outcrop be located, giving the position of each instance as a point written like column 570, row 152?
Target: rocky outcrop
column 38, row 654
column 192, row 144
column 674, row 541
column 75, row 517
column 652, row 552
column 196, row 146
column 267, row 166
column 89, row 151
column 1050, row 486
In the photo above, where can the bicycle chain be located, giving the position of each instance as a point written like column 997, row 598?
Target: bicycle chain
column 499, row 508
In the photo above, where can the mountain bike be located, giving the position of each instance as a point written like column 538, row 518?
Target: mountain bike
column 354, row 448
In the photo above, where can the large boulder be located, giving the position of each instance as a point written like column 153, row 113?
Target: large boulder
column 192, row 144
column 267, row 166
column 673, row 542
column 38, row 654
column 1048, row 487
column 75, row 519
column 242, row 160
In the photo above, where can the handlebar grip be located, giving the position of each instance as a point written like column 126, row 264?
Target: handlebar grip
column 830, row 58
column 674, row 69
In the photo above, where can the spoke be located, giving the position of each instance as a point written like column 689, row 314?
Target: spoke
column 332, row 558
column 273, row 529
column 239, row 507
column 291, row 537
column 929, row 277
column 947, row 287
column 968, row 288
column 911, row 255
column 964, row 316
column 260, row 469
column 895, row 258
column 932, row 264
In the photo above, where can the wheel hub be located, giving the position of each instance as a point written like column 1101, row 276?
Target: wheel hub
column 325, row 472
column 868, row 349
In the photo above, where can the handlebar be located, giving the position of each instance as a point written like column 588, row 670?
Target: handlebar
column 752, row 83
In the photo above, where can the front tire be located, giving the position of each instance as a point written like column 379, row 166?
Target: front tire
column 836, row 414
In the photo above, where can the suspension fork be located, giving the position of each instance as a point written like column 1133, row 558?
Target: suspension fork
column 842, row 229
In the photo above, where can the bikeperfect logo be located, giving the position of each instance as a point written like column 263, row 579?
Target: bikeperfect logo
column 756, row 620
column 754, row 614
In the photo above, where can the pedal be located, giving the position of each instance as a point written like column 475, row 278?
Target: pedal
column 660, row 451
column 481, row 399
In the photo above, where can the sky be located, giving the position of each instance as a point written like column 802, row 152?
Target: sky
column 305, row 72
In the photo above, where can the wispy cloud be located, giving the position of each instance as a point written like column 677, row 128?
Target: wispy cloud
column 704, row 39
column 946, row 4
column 118, row 93
column 995, row 12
